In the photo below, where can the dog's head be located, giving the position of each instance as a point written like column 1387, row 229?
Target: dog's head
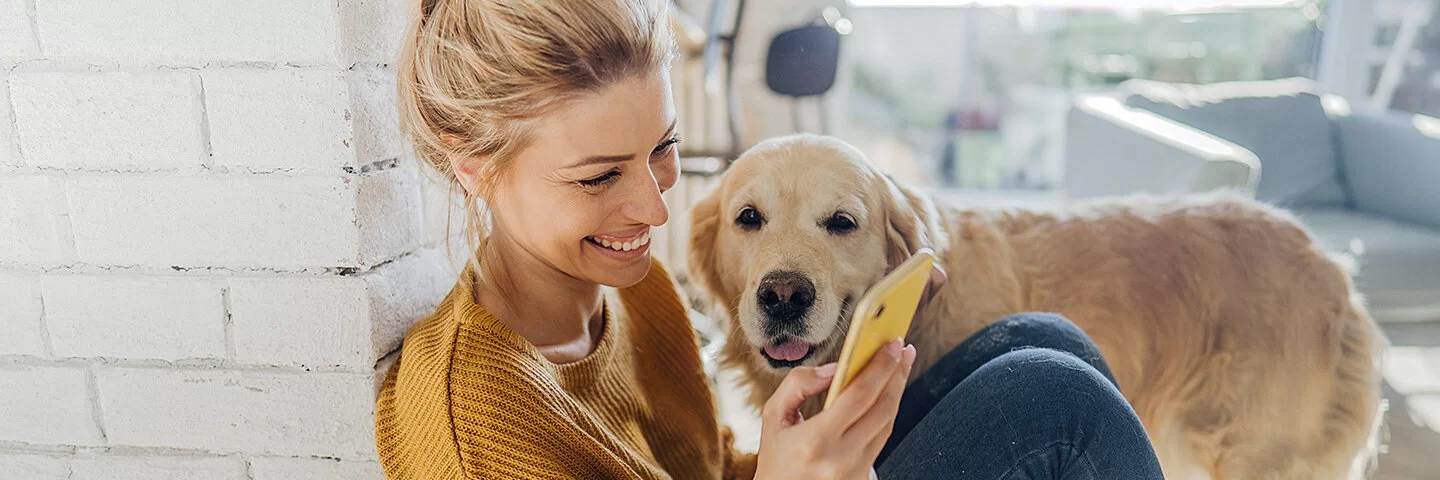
column 792, row 236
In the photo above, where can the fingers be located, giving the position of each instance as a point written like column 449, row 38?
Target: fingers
column 801, row 383
column 873, row 428
column 858, row 397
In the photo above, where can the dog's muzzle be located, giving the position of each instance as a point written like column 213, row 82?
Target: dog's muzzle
column 785, row 298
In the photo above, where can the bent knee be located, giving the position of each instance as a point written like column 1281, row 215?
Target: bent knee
column 1045, row 370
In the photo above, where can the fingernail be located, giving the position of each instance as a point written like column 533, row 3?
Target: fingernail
column 909, row 356
column 894, row 349
column 826, row 370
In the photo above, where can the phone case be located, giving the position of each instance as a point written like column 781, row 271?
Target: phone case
column 883, row 314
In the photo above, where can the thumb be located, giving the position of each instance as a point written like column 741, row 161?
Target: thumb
column 801, row 383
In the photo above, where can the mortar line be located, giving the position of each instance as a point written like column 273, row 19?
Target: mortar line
column 229, row 321
column 60, row 205
column 207, row 153
column 96, row 411
column 45, row 342
column 14, row 125
column 31, row 12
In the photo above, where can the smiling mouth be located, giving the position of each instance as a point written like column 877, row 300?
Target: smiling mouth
column 621, row 246
column 787, row 352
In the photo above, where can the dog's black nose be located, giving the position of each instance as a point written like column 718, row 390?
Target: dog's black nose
column 785, row 296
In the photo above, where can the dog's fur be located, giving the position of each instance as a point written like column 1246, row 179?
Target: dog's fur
column 1242, row 345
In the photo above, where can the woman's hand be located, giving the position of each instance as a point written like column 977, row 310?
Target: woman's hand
column 842, row 441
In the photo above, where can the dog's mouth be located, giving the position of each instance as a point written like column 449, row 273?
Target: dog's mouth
column 786, row 352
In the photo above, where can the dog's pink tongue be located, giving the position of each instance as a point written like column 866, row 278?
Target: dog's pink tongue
column 789, row 350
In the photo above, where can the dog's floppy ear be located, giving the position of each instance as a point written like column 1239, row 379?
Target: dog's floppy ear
column 705, row 222
column 909, row 219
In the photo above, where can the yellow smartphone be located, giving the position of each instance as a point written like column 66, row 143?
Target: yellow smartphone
column 883, row 314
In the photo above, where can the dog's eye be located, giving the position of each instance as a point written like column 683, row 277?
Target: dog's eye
column 840, row 222
column 749, row 219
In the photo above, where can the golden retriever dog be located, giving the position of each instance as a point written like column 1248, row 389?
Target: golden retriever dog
column 1240, row 343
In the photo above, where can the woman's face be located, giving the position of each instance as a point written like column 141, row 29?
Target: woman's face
column 585, row 196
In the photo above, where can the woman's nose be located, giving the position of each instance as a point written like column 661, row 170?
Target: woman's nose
column 646, row 204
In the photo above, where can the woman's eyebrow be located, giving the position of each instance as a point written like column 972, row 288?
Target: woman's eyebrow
column 602, row 159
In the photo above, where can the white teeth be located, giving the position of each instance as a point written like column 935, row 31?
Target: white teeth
column 625, row 246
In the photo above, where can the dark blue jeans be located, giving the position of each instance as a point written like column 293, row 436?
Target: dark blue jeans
column 1027, row 397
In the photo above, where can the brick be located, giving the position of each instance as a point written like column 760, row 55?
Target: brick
column 267, row 221
column 158, row 467
column 287, row 468
column 270, row 413
column 388, row 214
column 405, row 291
column 373, row 31
column 28, row 208
column 335, row 321
column 20, row 310
column 17, row 37
column 167, row 318
column 377, row 121
column 115, row 120
column 279, row 119
column 301, row 321
column 193, row 31
column 34, row 467
column 46, row 405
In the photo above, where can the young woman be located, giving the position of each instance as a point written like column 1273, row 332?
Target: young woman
column 564, row 351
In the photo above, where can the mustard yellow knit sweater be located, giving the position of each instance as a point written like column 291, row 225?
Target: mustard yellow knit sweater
column 469, row 398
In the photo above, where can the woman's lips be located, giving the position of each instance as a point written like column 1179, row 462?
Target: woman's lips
column 621, row 244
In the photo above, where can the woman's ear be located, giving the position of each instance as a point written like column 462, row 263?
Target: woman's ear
column 469, row 170
column 705, row 223
column 908, row 218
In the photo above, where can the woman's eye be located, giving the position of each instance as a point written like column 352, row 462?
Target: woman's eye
column 666, row 145
column 840, row 223
column 749, row 219
column 601, row 180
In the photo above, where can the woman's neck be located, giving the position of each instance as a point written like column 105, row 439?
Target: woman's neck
column 561, row 315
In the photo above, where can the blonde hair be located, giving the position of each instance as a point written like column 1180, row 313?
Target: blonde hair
column 476, row 75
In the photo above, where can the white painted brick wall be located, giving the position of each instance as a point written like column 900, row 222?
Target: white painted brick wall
column 292, row 413
column 83, row 120
column 17, row 37
column 211, row 230
column 386, row 213
column 9, row 149
column 372, row 30
column 377, row 122
column 20, row 320
column 49, row 405
column 190, row 32
column 288, row 468
column 167, row 318
column 28, row 212
column 30, row 466
column 234, row 221
column 344, row 322
column 151, row 467
column 301, row 321
column 301, row 118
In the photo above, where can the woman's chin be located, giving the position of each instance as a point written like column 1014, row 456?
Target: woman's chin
column 622, row 276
